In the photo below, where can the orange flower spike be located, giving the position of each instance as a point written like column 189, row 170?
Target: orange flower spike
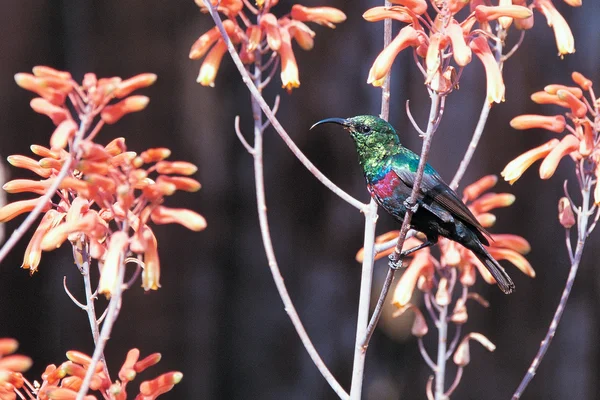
column 55, row 113
column 16, row 208
column 476, row 189
column 512, row 242
column 33, row 253
column 63, row 133
column 43, row 71
column 211, row 64
column 461, row 51
column 562, row 32
column 515, row 258
column 567, row 145
column 269, row 23
column 381, row 13
column 489, row 13
column 154, row 155
column 554, row 88
column 586, row 145
column 417, row 6
column 151, row 272
column 113, row 113
column 495, row 84
column 327, row 16
column 407, row 36
column 581, row 80
column 160, row 384
column 490, row 201
column 553, row 123
column 127, row 373
column 147, row 362
column 112, row 263
column 543, row 97
column 140, row 81
column 578, row 107
column 188, row 218
column 8, row 346
column 406, row 285
column 516, row 167
column 15, row 363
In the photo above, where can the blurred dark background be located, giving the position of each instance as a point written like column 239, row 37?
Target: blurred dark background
column 218, row 317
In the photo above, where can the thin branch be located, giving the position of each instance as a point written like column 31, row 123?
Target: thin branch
column 425, row 355
column 241, row 137
column 440, row 372
column 457, row 378
column 412, row 120
column 269, row 114
column 73, row 299
column 464, row 164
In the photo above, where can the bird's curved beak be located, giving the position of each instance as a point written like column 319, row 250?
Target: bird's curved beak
column 340, row 121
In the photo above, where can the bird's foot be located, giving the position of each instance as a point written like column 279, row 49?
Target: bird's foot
column 395, row 262
column 412, row 207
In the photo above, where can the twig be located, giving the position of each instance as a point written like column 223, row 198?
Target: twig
column 269, row 114
column 73, row 299
column 366, row 280
column 111, row 316
column 440, row 371
column 582, row 222
column 457, row 378
column 425, row 355
column 241, row 137
column 483, row 117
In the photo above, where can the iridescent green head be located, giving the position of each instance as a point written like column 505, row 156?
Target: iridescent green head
column 375, row 138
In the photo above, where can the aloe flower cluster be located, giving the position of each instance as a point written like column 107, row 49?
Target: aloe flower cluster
column 263, row 34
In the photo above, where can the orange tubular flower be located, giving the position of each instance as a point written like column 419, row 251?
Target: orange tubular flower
column 327, row 16
column 554, row 123
column 514, row 169
column 406, row 37
column 289, row 67
column 567, row 145
column 495, row 83
column 562, row 32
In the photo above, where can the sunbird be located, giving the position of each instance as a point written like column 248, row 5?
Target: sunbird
column 390, row 170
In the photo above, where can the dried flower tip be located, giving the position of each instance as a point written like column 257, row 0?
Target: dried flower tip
column 552, row 89
column 64, row 132
column 519, row 165
column 115, row 112
column 55, row 113
column 578, row 107
column 16, row 208
column 43, row 71
column 327, row 16
column 383, row 63
column 581, row 80
column 554, row 123
column 490, row 13
column 156, row 154
column 8, row 346
column 188, row 218
column 416, row 6
column 567, row 145
column 176, row 167
column 134, row 83
column 476, row 189
column 147, row 362
column 566, row 217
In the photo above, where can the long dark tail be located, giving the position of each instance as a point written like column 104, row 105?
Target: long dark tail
column 502, row 279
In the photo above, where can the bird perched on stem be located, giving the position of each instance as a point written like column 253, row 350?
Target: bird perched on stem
column 390, row 170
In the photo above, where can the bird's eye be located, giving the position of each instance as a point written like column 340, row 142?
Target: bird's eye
column 364, row 129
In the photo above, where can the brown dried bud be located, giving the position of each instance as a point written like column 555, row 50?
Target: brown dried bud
column 566, row 216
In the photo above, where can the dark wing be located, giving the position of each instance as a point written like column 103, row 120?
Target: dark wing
column 436, row 196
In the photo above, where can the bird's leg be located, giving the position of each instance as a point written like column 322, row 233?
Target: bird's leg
column 412, row 207
column 395, row 257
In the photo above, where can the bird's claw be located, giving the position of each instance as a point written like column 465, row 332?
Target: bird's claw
column 412, row 207
column 394, row 263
